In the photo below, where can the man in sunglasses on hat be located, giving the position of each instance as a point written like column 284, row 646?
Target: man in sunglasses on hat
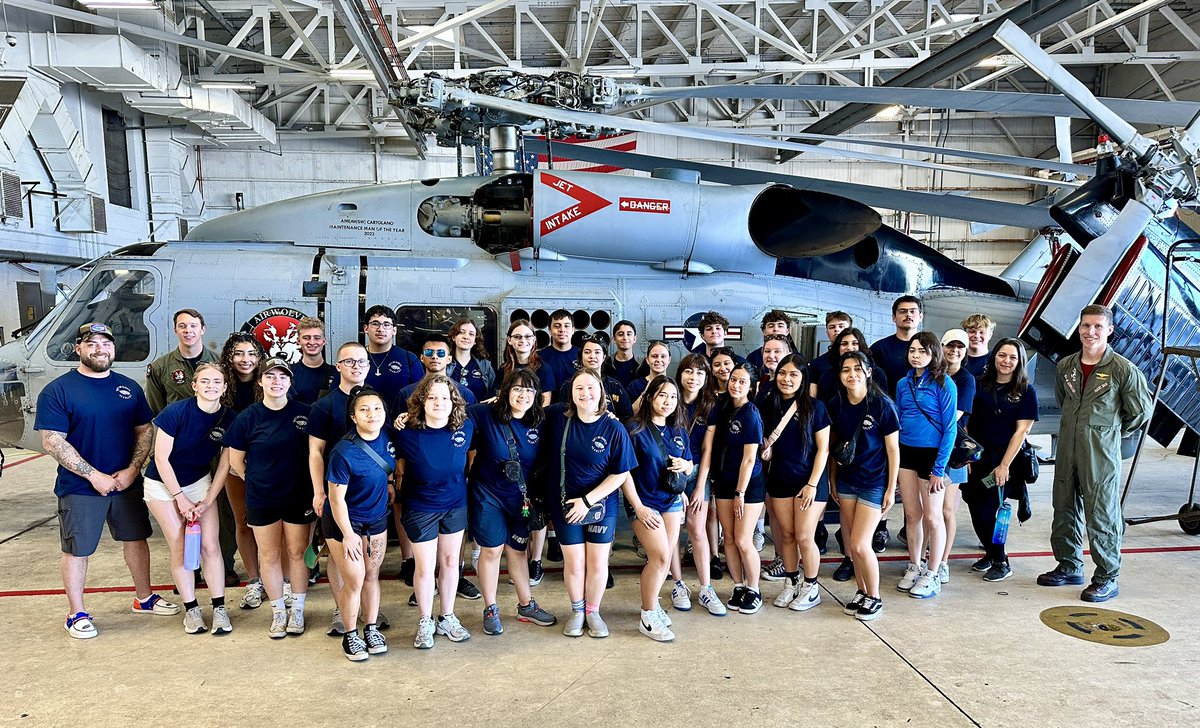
column 96, row 424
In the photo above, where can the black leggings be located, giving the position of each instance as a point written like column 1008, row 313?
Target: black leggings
column 983, row 502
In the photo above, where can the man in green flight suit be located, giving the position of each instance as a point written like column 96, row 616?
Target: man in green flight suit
column 169, row 377
column 1103, row 397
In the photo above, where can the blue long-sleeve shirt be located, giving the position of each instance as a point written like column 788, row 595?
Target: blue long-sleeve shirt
column 940, row 403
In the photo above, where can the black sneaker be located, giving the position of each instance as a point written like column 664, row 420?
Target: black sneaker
column 844, row 571
column 870, row 610
column 407, row 568
column 1058, row 576
column 232, row 578
column 609, row 584
column 852, row 606
column 467, row 590
column 999, row 571
column 716, row 569
column 553, row 550
column 751, row 602
column 354, row 647
column 412, row 598
column 376, row 644
column 1100, row 591
column 735, row 601
column 536, row 573
column 879, row 540
column 902, row 536
column 983, row 564
column 314, row 574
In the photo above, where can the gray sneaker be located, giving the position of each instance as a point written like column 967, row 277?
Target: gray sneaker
column 252, row 598
column 944, row 572
column 534, row 614
column 278, row 628
column 596, row 626
column 424, row 638
column 449, row 625
column 337, row 628
column 221, row 624
column 491, row 620
column 193, row 621
column 295, row 624
column 574, row 626
column 760, row 540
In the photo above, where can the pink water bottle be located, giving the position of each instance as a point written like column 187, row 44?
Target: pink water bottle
column 191, row 546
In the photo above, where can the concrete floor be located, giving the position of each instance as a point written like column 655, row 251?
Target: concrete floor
column 976, row 655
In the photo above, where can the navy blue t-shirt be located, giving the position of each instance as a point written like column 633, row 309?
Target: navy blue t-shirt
column 965, row 381
column 400, row 405
column 491, row 451
column 99, row 416
column 828, row 385
column 625, row 371
column 791, row 461
column 636, row 387
column 469, row 376
column 308, row 383
column 594, row 451
column 995, row 414
column 366, row 482
column 977, row 365
column 699, row 426
column 891, row 354
column 558, row 366
column 736, row 427
column 198, row 436
column 276, row 448
column 878, row 418
column 327, row 418
column 243, row 396
column 819, row 365
column 647, row 476
column 435, row 466
column 620, row 402
column 389, row 373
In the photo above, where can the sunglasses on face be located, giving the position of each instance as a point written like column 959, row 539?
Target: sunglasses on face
column 439, row 353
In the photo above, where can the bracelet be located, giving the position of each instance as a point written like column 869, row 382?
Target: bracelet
column 585, row 502
column 176, row 495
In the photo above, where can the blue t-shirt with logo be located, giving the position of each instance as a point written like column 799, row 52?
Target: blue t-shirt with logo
column 625, row 371
column 327, row 419
column 469, row 376
column 699, row 426
column 736, row 427
column 276, row 448
column 791, row 460
column 198, row 435
column 491, row 452
column 557, row 367
column 308, row 383
column 389, row 373
column 98, row 415
column 595, row 451
column 620, row 402
column 878, row 418
column 977, row 365
column 648, row 475
column 366, row 483
column 435, row 466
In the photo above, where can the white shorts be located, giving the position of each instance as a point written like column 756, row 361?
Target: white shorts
column 156, row 490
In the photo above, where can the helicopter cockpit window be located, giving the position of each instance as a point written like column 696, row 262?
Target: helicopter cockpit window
column 414, row 322
column 115, row 297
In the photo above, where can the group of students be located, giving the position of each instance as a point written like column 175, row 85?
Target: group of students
column 449, row 446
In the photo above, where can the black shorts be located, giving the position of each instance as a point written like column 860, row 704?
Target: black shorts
column 330, row 530
column 785, row 487
column 756, row 490
column 260, row 514
column 422, row 526
column 81, row 518
column 920, row 459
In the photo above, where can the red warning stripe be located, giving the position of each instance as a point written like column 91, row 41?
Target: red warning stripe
column 19, row 462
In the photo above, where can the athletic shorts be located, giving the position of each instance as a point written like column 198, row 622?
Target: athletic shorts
column 156, row 490
column 81, row 518
column 495, row 524
column 422, row 526
column 574, row 534
column 756, row 490
column 266, row 514
column 784, row 487
column 920, row 459
column 330, row 530
column 870, row 495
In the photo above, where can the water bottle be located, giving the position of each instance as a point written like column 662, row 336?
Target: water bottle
column 1003, row 516
column 191, row 546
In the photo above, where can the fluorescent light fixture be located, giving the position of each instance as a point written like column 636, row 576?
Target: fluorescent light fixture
column 445, row 37
column 891, row 113
column 352, row 74
column 230, row 85
column 993, row 62
column 119, row 4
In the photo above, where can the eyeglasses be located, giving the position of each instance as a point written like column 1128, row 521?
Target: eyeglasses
column 522, row 337
column 381, row 325
column 353, row 363
column 523, row 390
column 439, row 353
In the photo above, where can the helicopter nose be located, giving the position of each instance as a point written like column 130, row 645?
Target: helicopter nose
column 12, row 392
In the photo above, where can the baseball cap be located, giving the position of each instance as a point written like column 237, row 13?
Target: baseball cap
column 956, row 335
column 88, row 330
column 276, row 363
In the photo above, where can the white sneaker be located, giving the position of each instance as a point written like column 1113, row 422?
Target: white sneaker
column 574, row 625
column 475, row 560
column 910, row 576
column 220, row 623
column 596, row 626
column 666, row 618
column 787, row 595
column 287, row 595
column 681, row 596
column 336, row 627
column 295, row 623
column 652, row 625
column 252, row 598
column 944, row 572
column 760, row 540
column 193, row 621
column 927, row 585
column 278, row 628
column 424, row 637
column 807, row 597
column 450, row 626
column 710, row 601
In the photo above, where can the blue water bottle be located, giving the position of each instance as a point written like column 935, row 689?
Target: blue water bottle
column 1003, row 516
column 191, row 546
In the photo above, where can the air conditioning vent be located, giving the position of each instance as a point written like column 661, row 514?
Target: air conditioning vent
column 10, row 191
column 99, row 214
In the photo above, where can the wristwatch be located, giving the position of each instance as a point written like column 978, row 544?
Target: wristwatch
column 739, row 494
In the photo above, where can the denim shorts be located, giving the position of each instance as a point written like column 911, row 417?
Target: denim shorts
column 871, row 495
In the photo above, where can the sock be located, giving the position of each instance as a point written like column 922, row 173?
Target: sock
column 145, row 601
column 577, row 606
column 298, row 602
column 792, row 575
column 287, row 580
column 277, row 605
column 590, row 608
column 736, row 585
column 218, row 602
column 189, row 605
column 810, row 582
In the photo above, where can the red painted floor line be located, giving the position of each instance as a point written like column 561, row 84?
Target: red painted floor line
column 19, row 462
column 621, row 568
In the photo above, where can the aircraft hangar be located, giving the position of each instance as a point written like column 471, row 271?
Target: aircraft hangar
column 126, row 122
